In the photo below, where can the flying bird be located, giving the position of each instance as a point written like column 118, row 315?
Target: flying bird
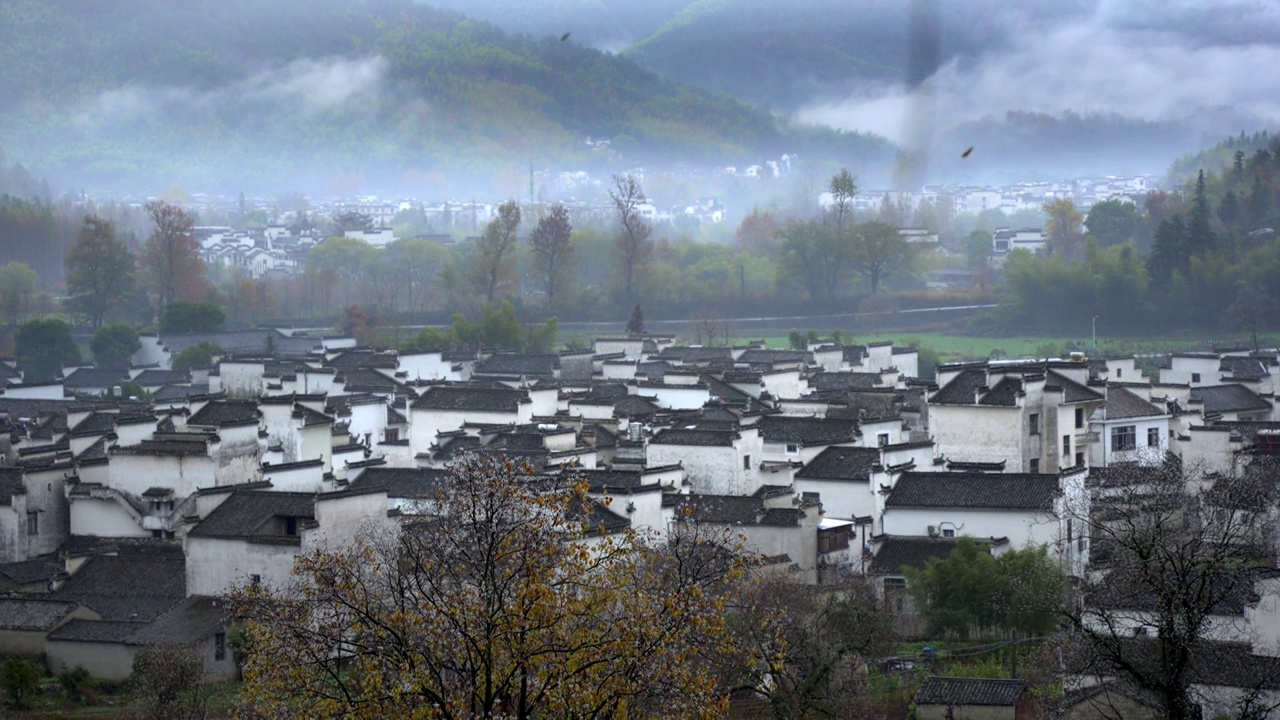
column 565, row 36
column 966, row 153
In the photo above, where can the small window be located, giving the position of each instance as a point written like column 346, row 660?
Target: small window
column 1079, row 417
column 1035, row 466
column 793, row 449
column 1035, row 423
column 883, row 439
column 1195, row 377
column 1119, row 373
column 1066, row 446
column 219, row 646
column 291, row 526
column 393, row 435
column 1153, row 437
column 746, row 462
column 1079, row 459
column 33, row 522
column 1123, row 438
column 948, row 532
column 157, row 534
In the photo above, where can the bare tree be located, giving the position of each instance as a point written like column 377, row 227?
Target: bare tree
column 494, row 263
column 1174, row 552
column 843, row 188
column 633, row 247
column 171, row 256
column 552, row 251
column 1252, row 311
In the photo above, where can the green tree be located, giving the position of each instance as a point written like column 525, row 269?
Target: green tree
column 552, row 255
column 43, row 347
column 1113, row 221
column 494, row 263
column 18, row 286
column 878, row 251
column 843, row 189
column 166, row 683
column 813, row 257
column 1251, row 311
column 182, row 317
column 100, row 272
column 199, row 355
column 1229, row 210
column 1062, row 229
column 1259, row 210
column 113, row 345
column 1169, row 252
column 970, row 591
column 1200, row 235
column 21, row 680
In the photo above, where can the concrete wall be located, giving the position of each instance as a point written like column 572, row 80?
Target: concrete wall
column 184, row 473
column 104, row 661
column 983, row 434
column 711, row 470
column 1021, row 527
column 240, row 379
column 840, row 498
column 103, row 518
column 1103, row 453
column 427, row 366
column 214, row 565
column 238, row 457
column 965, row 712
column 341, row 517
column 424, row 424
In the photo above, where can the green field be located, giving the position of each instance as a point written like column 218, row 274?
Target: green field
column 955, row 348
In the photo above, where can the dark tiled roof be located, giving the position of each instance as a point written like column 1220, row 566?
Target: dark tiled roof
column 461, row 397
column 401, row 482
column 223, row 412
column 11, row 483
column 807, row 431
column 364, row 380
column 100, row 631
column 137, row 585
column 896, row 552
column 1009, row 491
column 683, row 436
column 95, row 423
column 33, row 613
column 514, row 364
column 95, row 377
column 773, row 356
column 696, row 354
column 634, row 406
column 1228, row 398
column 841, row 463
column 961, row 389
column 1072, row 390
column 844, row 380
column 519, row 442
column 732, row 510
column 1004, row 393
column 1123, row 403
column 969, row 691
column 170, row 393
column 192, row 620
column 25, row 572
column 1243, row 368
column 596, row 518
column 246, row 514
column 310, row 417
column 611, row 480
column 152, row 377
column 352, row 359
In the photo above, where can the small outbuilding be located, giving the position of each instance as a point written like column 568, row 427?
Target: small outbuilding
column 944, row 698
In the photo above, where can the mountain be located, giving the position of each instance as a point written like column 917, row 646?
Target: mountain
column 342, row 95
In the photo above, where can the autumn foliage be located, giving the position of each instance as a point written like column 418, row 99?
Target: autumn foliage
column 499, row 597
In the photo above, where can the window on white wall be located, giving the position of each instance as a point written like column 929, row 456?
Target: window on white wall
column 1153, row 437
column 1124, row 437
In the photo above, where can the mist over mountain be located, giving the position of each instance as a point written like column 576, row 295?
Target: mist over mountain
column 342, row 95
column 1042, row 88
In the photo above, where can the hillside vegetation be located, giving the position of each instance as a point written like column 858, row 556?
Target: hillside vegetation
column 245, row 94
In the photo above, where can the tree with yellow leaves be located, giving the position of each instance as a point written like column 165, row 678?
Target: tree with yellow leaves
column 504, row 597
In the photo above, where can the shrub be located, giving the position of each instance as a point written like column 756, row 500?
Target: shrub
column 77, row 683
column 21, row 681
column 166, row 682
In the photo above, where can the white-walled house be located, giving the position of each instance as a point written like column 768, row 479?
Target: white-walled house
column 716, row 462
column 1129, row 429
column 442, row 408
column 251, row 536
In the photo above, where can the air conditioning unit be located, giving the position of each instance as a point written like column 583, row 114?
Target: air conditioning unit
column 933, row 531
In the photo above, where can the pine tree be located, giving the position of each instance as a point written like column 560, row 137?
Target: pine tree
column 635, row 326
column 1229, row 209
column 1259, row 202
column 1168, row 251
column 1200, row 237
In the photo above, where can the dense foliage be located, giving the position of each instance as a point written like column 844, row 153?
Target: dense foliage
column 43, row 347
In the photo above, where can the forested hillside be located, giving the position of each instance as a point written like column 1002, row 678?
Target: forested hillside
column 324, row 93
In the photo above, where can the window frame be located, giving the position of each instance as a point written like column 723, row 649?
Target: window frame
column 1125, row 432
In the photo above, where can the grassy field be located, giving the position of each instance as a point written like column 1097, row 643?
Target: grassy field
column 954, row 348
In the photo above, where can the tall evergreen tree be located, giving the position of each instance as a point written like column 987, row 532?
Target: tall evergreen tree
column 1259, row 202
column 1200, row 236
column 1168, row 251
column 1229, row 210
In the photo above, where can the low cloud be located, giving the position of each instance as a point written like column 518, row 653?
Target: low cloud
column 311, row 85
column 1156, row 61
